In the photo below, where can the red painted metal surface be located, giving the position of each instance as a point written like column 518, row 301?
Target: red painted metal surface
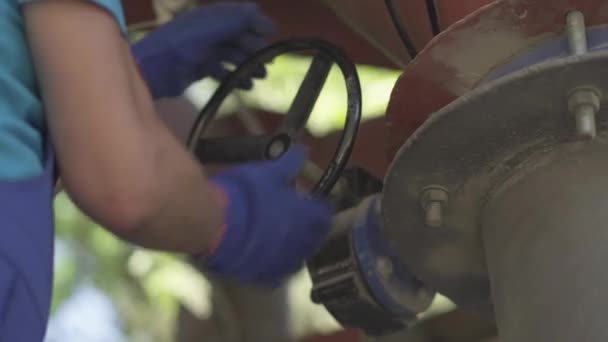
column 371, row 19
column 457, row 59
column 366, row 20
column 416, row 20
column 450, row 11
column 138, row 10
column 311, row 18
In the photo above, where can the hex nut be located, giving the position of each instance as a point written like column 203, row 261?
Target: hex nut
column 585, row 96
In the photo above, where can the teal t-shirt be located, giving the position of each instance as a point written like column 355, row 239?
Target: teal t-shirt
column 22, row 123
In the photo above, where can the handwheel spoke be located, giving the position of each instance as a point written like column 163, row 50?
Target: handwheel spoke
column 228, row 150
column 307, row 95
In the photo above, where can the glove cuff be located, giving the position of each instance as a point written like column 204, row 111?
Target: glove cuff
column 151, row 70
column 142, row 74
column 233, row 237
column 224, row 199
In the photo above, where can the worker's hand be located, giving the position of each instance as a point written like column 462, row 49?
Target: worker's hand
column 196, row 45
column 270, row 228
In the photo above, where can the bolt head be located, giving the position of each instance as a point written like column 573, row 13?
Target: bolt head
column 278, row 146
column 584, row 103
column 434, row 199
column 276, row 149
column 584, row 97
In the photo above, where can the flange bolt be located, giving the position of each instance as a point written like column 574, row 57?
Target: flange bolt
column 434, row 199
column 584, row 103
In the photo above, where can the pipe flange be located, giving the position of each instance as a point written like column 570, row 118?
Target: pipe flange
column 470, row 147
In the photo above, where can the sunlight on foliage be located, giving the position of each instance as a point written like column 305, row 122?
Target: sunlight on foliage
column 285, row 74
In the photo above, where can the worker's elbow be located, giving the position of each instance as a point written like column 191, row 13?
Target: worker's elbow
column 122, row 210
column 125, row 216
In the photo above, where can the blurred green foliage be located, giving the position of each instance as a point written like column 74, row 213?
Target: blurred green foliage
column 147, row 287
column 285, row 74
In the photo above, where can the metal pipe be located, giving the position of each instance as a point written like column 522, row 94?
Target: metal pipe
column 547, row 247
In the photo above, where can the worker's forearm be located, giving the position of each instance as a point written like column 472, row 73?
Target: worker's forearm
column 190, row 212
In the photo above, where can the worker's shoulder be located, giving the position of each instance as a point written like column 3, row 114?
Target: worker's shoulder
column 114, row 7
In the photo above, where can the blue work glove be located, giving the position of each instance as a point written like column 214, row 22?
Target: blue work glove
column 271, row 229
column 196, row 45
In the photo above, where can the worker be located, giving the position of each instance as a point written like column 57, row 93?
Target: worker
column 73, row 91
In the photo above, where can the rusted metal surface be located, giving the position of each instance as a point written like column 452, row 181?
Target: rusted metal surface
column 470, row 147
column 459, row 58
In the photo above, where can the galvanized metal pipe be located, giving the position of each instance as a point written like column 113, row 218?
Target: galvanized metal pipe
column 546, row 241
